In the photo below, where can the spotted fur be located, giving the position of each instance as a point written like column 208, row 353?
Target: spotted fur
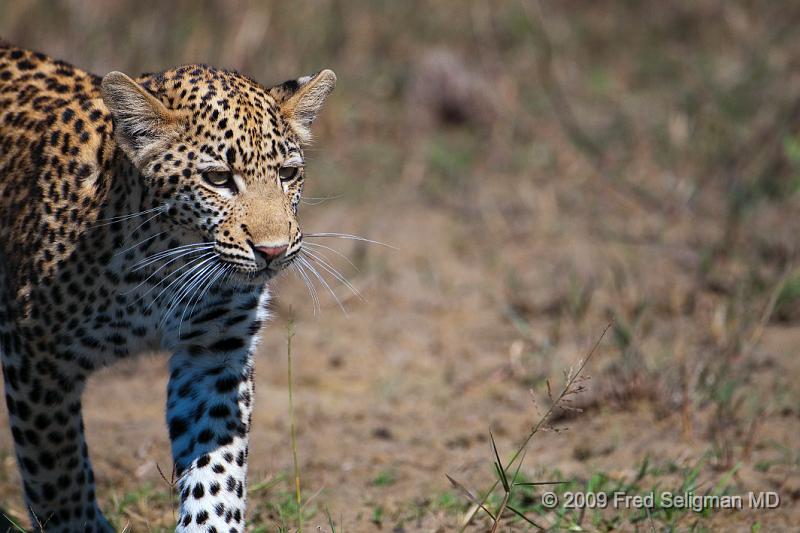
column 138, row 215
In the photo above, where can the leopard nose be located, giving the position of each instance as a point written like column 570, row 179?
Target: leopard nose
column 271, row 251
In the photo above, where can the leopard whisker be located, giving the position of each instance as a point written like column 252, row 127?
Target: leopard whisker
column 201, row 291
column 322, row 280
column 203, row 259
column 167, row 276
column 228, row 276
column 184, row 253
column 166, row 253
column 333, row 272
column 194, row 290
column 146, row 221
column 184, row 281
column 189, row 263
column 309, row 287
column 318, row 199
column 139, row 243
column 350, row 237
column 191, row 285
column 186, row 288
column 337, row 252
column 122, row 218
column 227, row 273
column 298, row 269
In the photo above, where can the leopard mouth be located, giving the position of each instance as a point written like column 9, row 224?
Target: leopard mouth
column 252, row 275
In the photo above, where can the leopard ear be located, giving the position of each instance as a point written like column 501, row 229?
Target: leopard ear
column 300, row 100
column 142, row 124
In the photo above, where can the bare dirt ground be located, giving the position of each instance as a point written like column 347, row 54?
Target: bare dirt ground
column 633, row 166
column 405, row 388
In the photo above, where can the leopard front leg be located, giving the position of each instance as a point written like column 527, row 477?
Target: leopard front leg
column 43, row 395
column 209, row 405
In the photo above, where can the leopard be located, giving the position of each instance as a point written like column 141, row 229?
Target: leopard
column 138, row 215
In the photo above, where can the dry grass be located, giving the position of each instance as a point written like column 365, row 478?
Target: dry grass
column 573, row 385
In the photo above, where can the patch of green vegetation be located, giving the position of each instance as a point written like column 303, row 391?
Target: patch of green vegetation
column 450, row 159
column 600, row 80
column 791, row 151
column 377, row 515
column 601, row 489
column 279, row 509
column 148, row 493
column 385, row 478
column 786, row 457
column 787, row 305
column 148, row 497
column 448, row 502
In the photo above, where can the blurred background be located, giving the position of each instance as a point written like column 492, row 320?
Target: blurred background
column 541, row 170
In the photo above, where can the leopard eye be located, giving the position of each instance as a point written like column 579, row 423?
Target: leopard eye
column 288, row 173
column 220, row 179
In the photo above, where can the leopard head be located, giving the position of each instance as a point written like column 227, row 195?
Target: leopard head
column 222, row 156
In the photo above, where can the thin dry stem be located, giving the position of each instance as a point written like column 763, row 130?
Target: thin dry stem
column 571, row 378
column 298, row 496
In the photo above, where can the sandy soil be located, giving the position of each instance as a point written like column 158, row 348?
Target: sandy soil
column 408, row 384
